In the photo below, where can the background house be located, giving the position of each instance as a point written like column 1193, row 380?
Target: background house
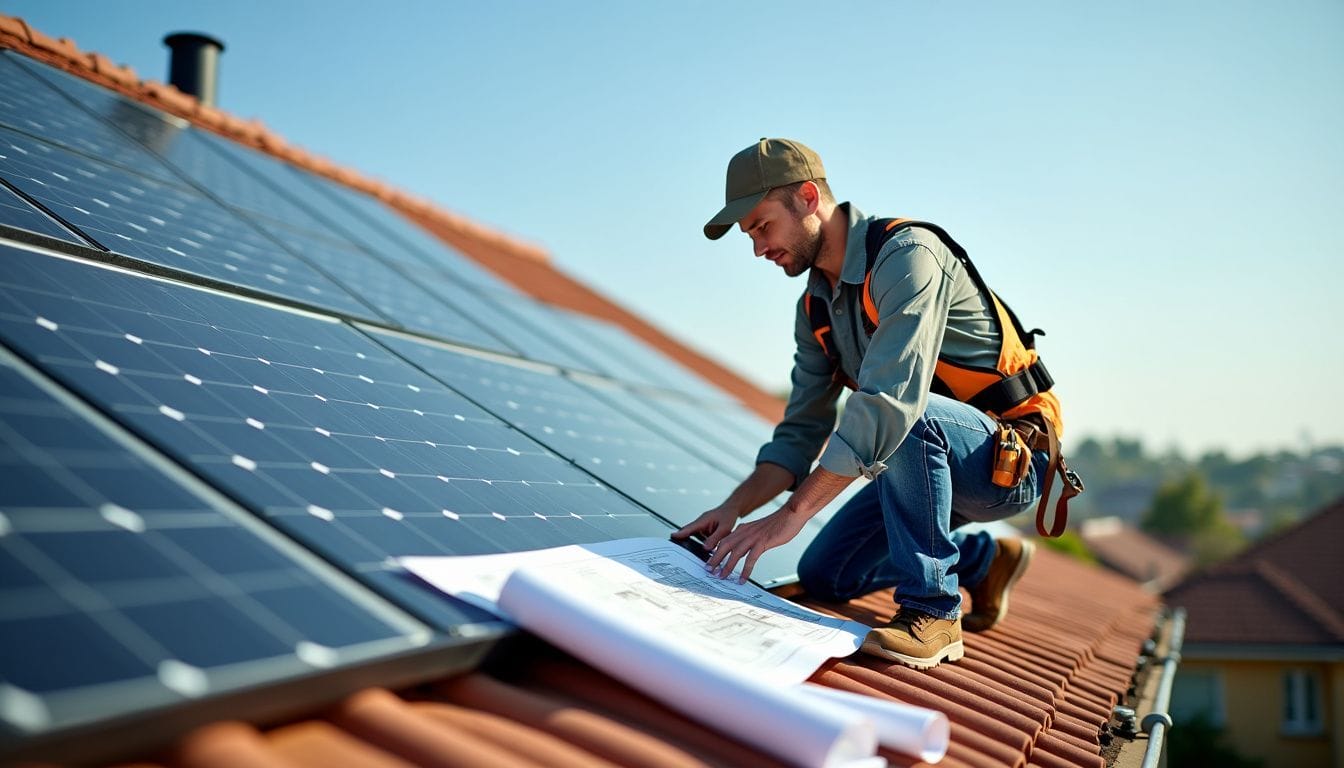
column 1264, row 652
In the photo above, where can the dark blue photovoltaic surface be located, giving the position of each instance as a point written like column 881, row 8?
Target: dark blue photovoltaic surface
column 17, row 212
column 199, row 160
column 121, row 589
column 344, row 446
column 625, row 358
column 663, row 470
column 161, row 223
column 703, row 429
column 28, row 103
column 409, row 237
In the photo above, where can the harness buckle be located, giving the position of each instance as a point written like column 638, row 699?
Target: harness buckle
column 1074, row 480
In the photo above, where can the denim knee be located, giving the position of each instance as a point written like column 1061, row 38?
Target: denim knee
column 818, row 577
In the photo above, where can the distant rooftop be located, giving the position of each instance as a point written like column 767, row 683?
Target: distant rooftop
column 1287, row 590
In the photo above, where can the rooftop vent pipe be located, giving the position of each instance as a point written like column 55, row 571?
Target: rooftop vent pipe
column 193, row 64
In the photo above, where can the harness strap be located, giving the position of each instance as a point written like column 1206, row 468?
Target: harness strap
column 1009, row 392
column 1040, row 435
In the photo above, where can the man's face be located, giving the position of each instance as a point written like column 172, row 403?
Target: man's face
column 789, row 238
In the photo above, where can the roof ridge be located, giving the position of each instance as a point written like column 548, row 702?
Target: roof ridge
column 63, row 53
column 1301, row 596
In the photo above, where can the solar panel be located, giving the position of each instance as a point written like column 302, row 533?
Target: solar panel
column 374, row 216
column 625, row 358
column 575, row 424
column 338, row 217
column 535, row 332
column 330, row 437
column 17, row 212
column 121, row 588
column 718, row 424
column 397, row 297
column 161, row 223
column 653, row 468
column 28, row 103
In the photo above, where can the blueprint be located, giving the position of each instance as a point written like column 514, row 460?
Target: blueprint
column 729, row 655
column 659, row 586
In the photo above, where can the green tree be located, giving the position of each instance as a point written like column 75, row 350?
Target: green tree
column 1183, row 507
column 1072, row 545
column 1187, row 511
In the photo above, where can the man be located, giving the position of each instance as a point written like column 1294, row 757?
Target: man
column 929, row 456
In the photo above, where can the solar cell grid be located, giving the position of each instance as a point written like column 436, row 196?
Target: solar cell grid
column 395, row 296
column 349, row 449
column 191, row 151
column 698, row 427
column 161, row 223
column 606, row 429
column 121, row 589
column 341, row 221
column 573, row 422
column 17, row 212
column 30, row 104
column 376, row 220
column 625, row 358
column 529, row 329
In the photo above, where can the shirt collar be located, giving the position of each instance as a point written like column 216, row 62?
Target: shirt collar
column 856, row 257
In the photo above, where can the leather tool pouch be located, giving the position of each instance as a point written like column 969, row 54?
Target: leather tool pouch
column 1012, row 456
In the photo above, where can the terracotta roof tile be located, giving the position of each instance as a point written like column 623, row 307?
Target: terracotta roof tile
column 394, row 725
column 121, row 75
column 14, row 27
column 1134, row 553
column 62, row 46
column 227, row 745
column 319, row 744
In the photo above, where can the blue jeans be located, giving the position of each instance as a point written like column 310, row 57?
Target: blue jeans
column 900, row 531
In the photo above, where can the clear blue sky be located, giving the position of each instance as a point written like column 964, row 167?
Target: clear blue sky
column 1158, row 185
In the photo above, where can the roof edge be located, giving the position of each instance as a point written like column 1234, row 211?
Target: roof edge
column 16, row 34
column 1287, row 652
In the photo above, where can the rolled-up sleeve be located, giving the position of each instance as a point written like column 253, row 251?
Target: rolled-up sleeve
column 810, row 414
column 912, row 287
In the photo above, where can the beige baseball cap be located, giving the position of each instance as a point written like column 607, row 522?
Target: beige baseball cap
column 767, row 164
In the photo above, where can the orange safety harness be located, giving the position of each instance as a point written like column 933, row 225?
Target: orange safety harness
column 1016, row 392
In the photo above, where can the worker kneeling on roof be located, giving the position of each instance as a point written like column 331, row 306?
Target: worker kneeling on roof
column 951, row 416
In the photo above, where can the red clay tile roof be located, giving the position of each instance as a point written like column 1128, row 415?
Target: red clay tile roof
column 1141, row 557
column 1288, row 589
column 1034, row 691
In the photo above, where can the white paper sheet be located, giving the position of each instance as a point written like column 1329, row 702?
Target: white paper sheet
column 780, row 720
column 729, row 655
column 904, row 728
column 657, row 583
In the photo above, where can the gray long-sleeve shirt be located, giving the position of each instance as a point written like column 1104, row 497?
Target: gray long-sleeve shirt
column 926, row 305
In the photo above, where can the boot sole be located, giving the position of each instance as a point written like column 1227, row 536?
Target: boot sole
column 951, row 652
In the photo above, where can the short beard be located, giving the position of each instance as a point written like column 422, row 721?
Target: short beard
column 806, row 249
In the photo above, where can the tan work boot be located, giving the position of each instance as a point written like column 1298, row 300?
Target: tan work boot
column 989, row 598
column 916, row 639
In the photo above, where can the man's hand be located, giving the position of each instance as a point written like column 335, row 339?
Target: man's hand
column 751, row 540
column 711, row 526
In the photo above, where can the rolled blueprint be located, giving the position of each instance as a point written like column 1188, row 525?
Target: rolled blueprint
column 904, row 728
column 783, row 721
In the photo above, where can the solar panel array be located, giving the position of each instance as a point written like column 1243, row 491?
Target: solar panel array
column 233, row 392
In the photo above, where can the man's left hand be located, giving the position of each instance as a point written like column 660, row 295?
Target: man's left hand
column 749, row 541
